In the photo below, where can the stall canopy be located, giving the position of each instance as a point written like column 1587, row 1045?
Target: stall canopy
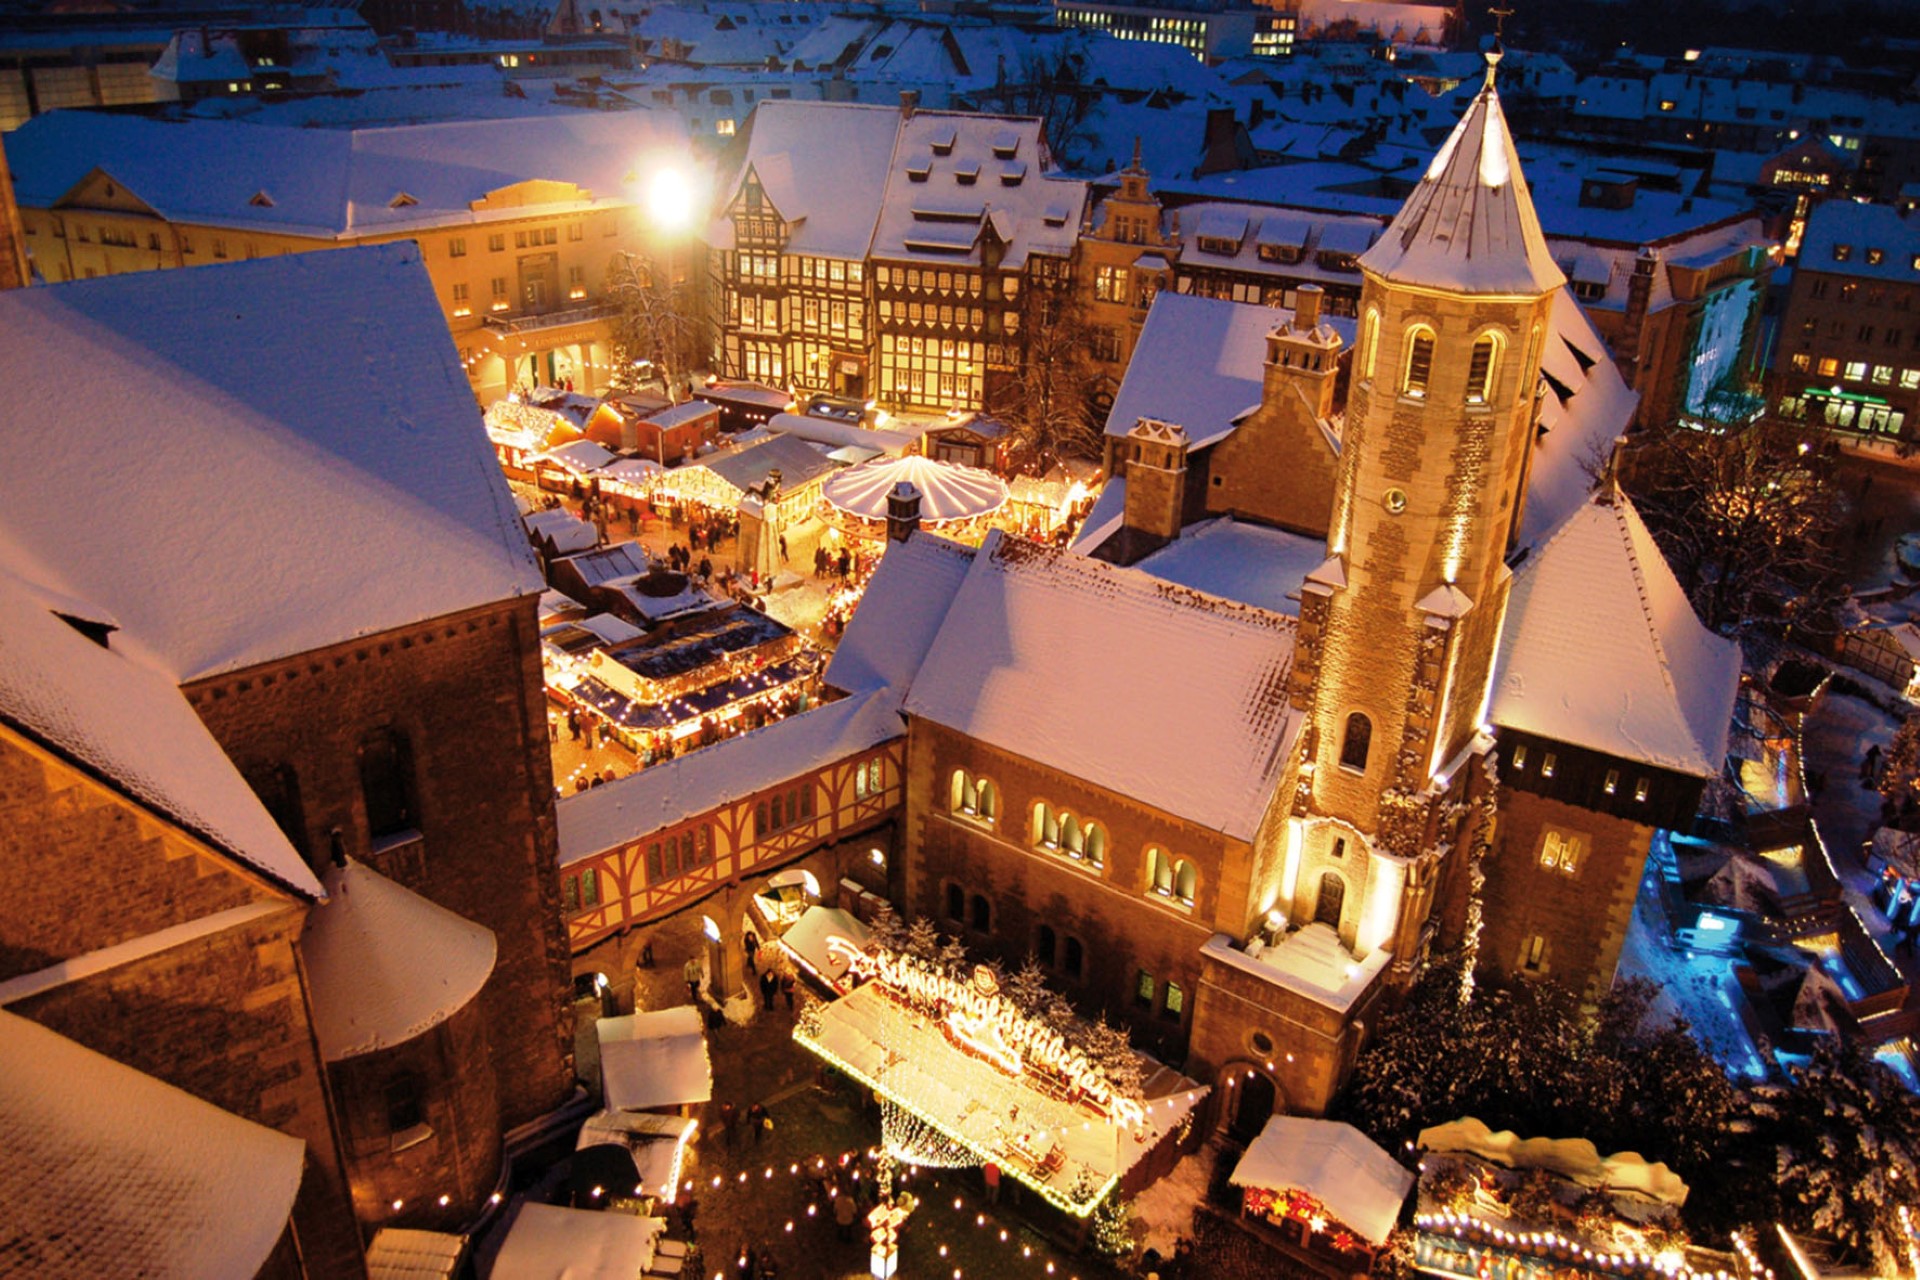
column 656, row 1143
column 1336, row 1164
column 547, row 1242
column 947, row 491
column 403, row 1253
column 654, row 1060
column 807, row 943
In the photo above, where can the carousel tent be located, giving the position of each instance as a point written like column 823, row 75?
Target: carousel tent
column 947, row 492
column 1336, row 1164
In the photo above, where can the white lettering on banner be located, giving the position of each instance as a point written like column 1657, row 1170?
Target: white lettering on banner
column 978, row 1019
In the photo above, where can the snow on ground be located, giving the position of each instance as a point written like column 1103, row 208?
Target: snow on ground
column 1164, row 1211
column 1693, row 985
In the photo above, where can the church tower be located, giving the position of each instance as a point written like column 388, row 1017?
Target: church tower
column 1401, row 624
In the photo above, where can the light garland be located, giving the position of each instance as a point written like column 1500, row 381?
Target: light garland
column 912, row 1141
column 1464, row 1226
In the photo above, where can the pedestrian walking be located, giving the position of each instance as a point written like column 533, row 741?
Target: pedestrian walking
column 573, row 723
column 759, row 1122
column 786, row 988
column 769, row 988
column 729, row 1117
column 783, row 548
column 750, row 943
column 693, row 972
column 706, row 567
column 844, row 1212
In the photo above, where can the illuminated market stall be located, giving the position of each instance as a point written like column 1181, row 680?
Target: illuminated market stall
column 965, row 1076
column 953, row 498
column 1332, row 1193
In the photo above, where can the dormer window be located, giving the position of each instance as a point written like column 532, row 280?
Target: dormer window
column 1013, row 175
column 1006, row 145
column 918, row 168
column 942, row 142
column 261, row 200
column 1876, row 256
column 1842, row 252
column 402, row 201
column 1218, row 244
column 967, row 172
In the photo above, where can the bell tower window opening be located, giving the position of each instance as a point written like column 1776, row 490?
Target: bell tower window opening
column 1357, row 741
column 1369, row 343
column 1481, row 368
column 1419, row 362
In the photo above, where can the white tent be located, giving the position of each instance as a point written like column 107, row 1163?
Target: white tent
column 654, row 1060
column 1336, row 1164
column 547, row 1242
column 947, row 491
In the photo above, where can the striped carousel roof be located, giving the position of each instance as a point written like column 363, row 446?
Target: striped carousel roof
column 947, row 492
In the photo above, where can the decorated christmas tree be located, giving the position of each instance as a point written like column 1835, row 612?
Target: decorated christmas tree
column 1113, row 1227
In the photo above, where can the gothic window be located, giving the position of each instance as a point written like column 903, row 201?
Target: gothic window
column 956, row 903
column 972, row 797
column 1074, row 961
column 1094, row 850
column 1046, row 826
column 1186, row 882
column 1073, row 841
column 1562, row 851
column 1046, row 945
column 1419, row 362
column 386, row 782
column 1369, row 343
column 1358, row 739
column 1481, row 368
column 982, row 914
column 1333, row 896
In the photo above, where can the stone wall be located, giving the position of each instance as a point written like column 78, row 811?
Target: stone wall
column 466, row 692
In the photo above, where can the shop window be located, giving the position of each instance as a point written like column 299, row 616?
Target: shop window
column 1332, row 897
column 956, row 903
column 1355, row 744
column 1413, row 381
column 387, row 782
column 1073, row 960
column 981, row 914
column 1175, row 1003
column 1144, row 989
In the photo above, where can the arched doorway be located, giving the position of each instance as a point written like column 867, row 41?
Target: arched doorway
column 1254, row 1101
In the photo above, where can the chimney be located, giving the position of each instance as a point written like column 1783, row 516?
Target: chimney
column 909, row 103
column 903, row 512
column 1306, row 309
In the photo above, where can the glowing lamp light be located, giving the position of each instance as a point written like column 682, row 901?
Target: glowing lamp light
column 670, row 198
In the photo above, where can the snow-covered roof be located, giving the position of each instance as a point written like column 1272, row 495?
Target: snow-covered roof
column 1335, row 1163
column 797, row 461
column 656, row 1059
column 1197, row 364
column 655, row 1142
column 311, row 468
column 823, row 165
column 608, row 564
column 1311, row 961
column 341, row 183
column 1574, row 1158
column 581, row 457
column 134, row 728
column 1577, row 429
column 551, row 1242
column 901, row 612
column 408, row 1253
column 1007, row 669
column 1601, row 648
column 385, row 965
column 110, row 1172
column 948, row 491
column 1470, row 224
column 839, row 434
column 807, row 941
column 1868, row 240
column 1246, row 562
column 562, row 530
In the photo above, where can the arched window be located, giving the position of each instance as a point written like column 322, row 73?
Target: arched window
column 982, row 914
column 1096, row 845
column 956, row 903
column 1074, row 961
column 1071, row 838
column 1159, row 872
column 1419, row 367
column 1369, row 343
column 972, row 797
column 1186, row 881
column 1046, row 826
column 1333, row 896
column 1482, row 368
column 278, row 787
column 989, row 800
column 1046, row 945
column 386, row 783
column 1358, row 739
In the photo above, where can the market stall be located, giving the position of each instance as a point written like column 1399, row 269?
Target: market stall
column 807, row 943
column 1332, row 1193
column 548, row 1242
column 657, row 1143
column 655, row 1061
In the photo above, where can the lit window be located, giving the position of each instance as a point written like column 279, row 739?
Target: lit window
column 1855, row 370
column 1369, row 343
column 972, row 797
column 1144, row 989
column 1419, row 362
column 1546, row 765
column 1480, row 369
column 1520, row 756
column 1640, row 791
column 724, row 126
column 1159, row 872
column 1534, row 956
column 1175, row 1003
column 1612, row 784
column 1842, row 252
column 1562, row 852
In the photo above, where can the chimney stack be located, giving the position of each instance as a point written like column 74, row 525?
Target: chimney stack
column 903, row 512
column 1306, row 307
column 909, row 103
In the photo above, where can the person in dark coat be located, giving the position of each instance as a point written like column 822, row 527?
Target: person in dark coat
column 786, row 989
column 750, row 943
column 758, row 1122
column 769, row 988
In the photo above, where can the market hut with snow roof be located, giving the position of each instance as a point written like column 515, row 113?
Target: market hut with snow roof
column 970, row 440
column 743, row 405
column 655, row 1060
column 1326, row 1190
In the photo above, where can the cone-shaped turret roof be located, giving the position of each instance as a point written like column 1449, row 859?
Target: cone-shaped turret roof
column 1470, row 226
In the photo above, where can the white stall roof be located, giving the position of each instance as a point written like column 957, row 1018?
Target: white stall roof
column 807, row 940
column 656, row 1059
column 548, row 1242
column 1336, row 1164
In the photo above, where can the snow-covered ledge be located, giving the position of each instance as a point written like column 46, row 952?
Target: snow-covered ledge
column 1310, row 963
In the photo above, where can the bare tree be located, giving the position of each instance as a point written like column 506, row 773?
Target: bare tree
column 655, row 322
column 1053, row 86
column 1742, row 515
column 1048, row 403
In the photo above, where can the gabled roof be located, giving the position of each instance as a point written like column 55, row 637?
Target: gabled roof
column 1198, row 364
column 1470, row 226
column 111, row 1172
column 824, row 167
column 385, row 965
column 1008, row 668
column 1359, row 1183
column 133, row 728
column 795, row 460
column 310, row 467
column 1601, row 649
